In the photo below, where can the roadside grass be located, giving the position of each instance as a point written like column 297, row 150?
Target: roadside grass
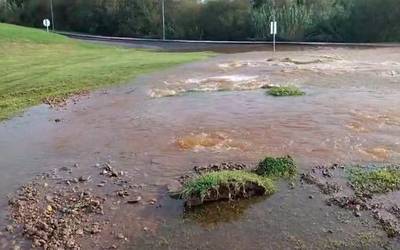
column 285, row 91
column 377, row 180
column 35, row 65
column 277, row 167
column 201, row 185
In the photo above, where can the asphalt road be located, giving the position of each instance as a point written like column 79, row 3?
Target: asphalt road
column 217, row 46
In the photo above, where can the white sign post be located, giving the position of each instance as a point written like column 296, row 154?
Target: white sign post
column 46, row 23
column 274, row 32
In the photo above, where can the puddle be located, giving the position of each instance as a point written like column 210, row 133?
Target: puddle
column 350, row 114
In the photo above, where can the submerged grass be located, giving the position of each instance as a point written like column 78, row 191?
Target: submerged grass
column 36, row 65
column 277, row 167
column 378, row 180
column 285, row 91
column 201, row 185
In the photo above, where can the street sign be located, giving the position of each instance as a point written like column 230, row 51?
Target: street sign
column 46, row 23
column 274, row 30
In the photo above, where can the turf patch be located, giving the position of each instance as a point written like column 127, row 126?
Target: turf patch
column 285, row 91
column 225, row 185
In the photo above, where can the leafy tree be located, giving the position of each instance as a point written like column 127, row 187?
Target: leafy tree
column 226, row 20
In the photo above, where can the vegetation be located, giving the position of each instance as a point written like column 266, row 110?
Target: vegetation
column 300, row 20
column 285, row 91
column 277, row 167
column 375, row 180
column 201, row 185
column 293, row 20
column 36, row 65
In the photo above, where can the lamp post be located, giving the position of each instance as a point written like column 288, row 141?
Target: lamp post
column 274, row 25
column 52, row 15
column 163, row 18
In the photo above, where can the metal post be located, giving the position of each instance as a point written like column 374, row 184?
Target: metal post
column 274, row 20
column 52, row 15
column 163, row 17
column 274, row 34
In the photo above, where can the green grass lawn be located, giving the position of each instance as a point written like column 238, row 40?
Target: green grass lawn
column 35, row 65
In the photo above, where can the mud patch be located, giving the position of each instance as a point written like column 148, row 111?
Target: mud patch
column 59, row 102
column 58, row 210
column 360, row 192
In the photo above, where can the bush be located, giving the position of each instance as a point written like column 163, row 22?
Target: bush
column 226, row 20
column 277, row 167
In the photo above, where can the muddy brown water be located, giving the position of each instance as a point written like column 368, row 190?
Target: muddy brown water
column 161, row 125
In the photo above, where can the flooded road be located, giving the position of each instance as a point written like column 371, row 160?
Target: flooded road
column 163, row 124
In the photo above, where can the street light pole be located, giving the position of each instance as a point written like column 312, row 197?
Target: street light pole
column 52, row 14
column 274, row 28
column 163, row 13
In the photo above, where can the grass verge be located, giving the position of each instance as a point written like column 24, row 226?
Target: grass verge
column 377, row 180
column 36, row 65
column 285, row 91
column 277, row 167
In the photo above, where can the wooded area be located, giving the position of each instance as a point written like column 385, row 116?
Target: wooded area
column 298, row 20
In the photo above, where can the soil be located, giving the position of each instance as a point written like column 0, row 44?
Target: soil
column 227, row 192
column 333, row 183
column 57, row 210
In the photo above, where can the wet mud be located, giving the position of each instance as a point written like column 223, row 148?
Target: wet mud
column 335, row 184
column 216, row 111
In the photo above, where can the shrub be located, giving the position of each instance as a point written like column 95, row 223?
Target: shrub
column 277, row 167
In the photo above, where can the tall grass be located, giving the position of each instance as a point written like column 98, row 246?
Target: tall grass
column 293, row 20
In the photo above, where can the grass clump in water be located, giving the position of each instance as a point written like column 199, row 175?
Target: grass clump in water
column 285, row 91
column 233, row 180
column 380, row 180
column 277, row 167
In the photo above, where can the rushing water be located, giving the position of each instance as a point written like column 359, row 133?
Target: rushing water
column 162, row 125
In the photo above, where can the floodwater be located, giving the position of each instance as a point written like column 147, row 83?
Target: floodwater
column 163, row 124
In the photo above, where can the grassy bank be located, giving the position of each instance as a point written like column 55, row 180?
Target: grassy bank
column 35, row 65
